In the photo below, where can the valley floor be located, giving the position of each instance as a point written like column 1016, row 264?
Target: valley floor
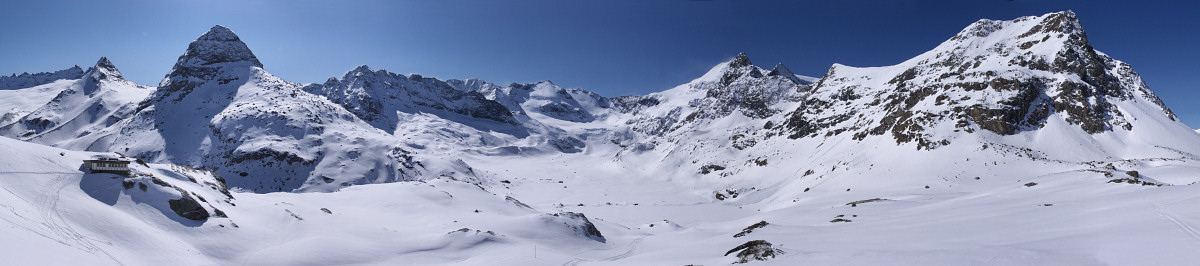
column 60, row 216
column 1068, row 218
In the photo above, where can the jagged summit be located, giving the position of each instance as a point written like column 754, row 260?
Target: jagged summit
column 1042, row 35
column 1064, row 21
column 104, row 69
column 218, row 45
column 741, row 60
column 781, row 70
column 361, row 69
column 740, row 67
column 1060, row 22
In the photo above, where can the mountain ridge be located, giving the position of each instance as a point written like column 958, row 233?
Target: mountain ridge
column 993, row 76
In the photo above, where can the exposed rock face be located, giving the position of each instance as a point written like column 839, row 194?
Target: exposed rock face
column 188, row 207
column 754, row 250
column 581, row 224
column 1004, row 77
column 750, row 229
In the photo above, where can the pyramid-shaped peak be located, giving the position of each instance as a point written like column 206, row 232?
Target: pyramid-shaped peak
column 218, row 45
column 103, row 63
column 781, row 70
column 740, row 61
column 219, row 33
column 105, row 69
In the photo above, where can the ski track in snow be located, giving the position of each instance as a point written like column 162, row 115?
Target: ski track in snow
column 632, row 247
column 52, row 219
column 1191, row 231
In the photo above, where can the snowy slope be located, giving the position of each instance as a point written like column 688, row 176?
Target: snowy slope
column 68, row 108
column 54, row 212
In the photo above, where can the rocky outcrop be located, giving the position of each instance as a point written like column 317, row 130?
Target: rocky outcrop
column 754, row 250
column 188, row 207
column 580, row 223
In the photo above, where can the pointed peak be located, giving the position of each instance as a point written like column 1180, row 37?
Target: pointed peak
column 218, row 45
column 104, row 63
column 104, row 69
column 741, row 60
column 362, row 68
column 219, row 33
column 781, row 70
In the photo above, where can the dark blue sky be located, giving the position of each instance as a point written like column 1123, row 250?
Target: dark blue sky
column 611, row 47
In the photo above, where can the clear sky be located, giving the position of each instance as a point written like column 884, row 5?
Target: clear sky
column 611, row 47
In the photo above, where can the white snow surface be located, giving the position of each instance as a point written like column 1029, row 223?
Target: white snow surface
column 412, row 170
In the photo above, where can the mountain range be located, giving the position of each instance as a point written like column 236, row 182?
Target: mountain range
column 1010, row 140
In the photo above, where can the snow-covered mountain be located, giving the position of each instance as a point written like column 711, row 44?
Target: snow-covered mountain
column 218, row 109
column 1013, row 142
column 26, row 80
column 378, row 96
column 969, row 108
column 65, row 109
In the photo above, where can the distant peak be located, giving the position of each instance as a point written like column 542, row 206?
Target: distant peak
column 740, row 61
column 362, row 68
column 105, row 64
column 359, row 71
column 781, row 70
column 104, row 69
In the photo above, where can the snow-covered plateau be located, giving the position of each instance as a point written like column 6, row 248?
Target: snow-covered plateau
column 1011, row 143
